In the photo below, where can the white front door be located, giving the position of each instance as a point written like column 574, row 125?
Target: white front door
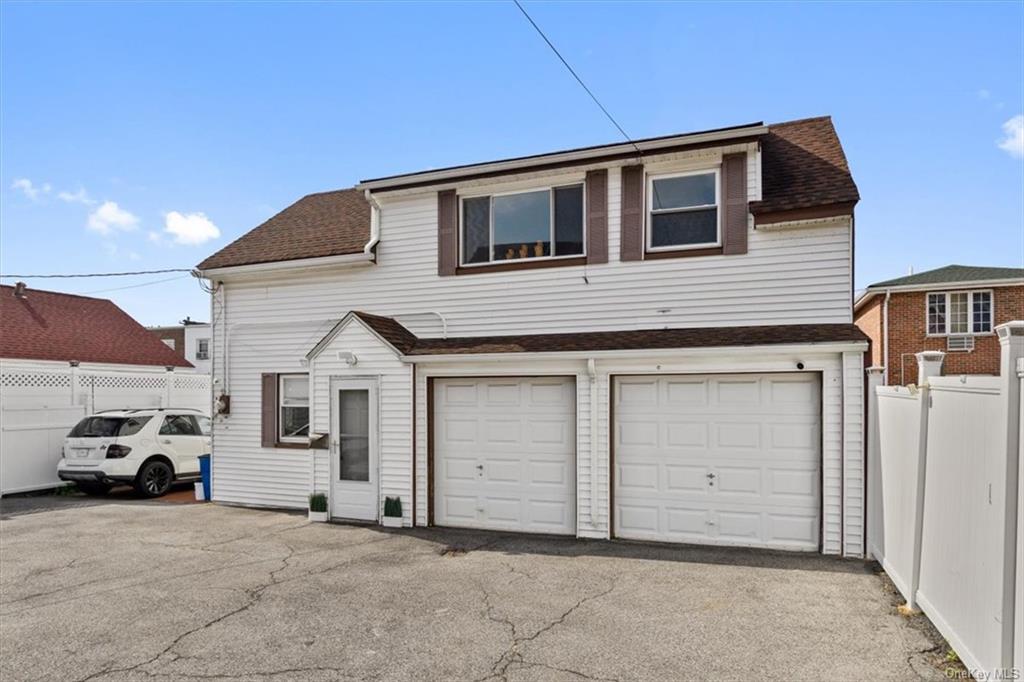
column 504, row 453
column 354, row 449
column 731, row 459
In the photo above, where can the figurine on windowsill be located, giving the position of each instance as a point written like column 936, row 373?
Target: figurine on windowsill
column 524, row 251
column 510, row 254
column 538, row 249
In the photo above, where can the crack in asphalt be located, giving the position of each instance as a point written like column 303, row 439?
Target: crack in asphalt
column 143, row 581
column 513, row 656
column 255, row 595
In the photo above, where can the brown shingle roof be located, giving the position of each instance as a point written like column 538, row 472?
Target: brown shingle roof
column 324, row 224
column 803, row 167
column 647, row 339
column 46, row 325
column 390, row 330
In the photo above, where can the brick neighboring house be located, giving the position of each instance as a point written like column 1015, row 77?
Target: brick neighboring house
column 952, row 309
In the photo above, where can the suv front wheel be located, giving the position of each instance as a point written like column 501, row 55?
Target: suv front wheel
column 154, row 478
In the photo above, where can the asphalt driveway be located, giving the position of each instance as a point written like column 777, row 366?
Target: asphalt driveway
column 131, row 590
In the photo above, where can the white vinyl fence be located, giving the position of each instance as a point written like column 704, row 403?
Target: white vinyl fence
column 39, row 404
column 944, row 515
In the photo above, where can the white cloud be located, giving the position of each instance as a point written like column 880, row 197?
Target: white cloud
column 79, row 197
column 109, row 217
column 190, row 228
column 26, row 187
column 984, row 94
column 1013, row 137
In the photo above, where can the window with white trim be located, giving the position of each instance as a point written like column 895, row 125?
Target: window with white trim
column 542, row 223
column 293, row 408
column 956, row 313
column 683, row 211
column 202, row 349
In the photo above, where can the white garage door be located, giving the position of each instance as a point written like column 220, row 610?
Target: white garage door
column 719, row 459
column 504, row 454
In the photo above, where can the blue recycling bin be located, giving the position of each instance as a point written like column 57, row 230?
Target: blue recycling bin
column 204, row 473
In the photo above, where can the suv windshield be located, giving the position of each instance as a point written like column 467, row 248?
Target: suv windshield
column 106, row 427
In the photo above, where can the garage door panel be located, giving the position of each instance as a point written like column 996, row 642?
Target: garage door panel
column 686, row 391
column 502, row 431
column 737, row 481
column 687, row 479
column 639, row 477
column 686, row 435
column 746, row 435
column 548, row 473
column 507, row 460
column 725, row 459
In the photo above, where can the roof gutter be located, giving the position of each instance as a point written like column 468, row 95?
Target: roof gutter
column 347, row 259
column 374, row 225
column 643, row 353
column 580, row 155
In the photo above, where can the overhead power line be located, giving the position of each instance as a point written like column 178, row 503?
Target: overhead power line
column 98, row 274
column 576, row 75
column 136, row 286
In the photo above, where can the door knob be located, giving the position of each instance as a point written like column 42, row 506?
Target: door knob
column 711, row 476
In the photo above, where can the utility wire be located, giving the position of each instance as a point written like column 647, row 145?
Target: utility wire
column 136, row 286
column 576, row 75
column 99, row 274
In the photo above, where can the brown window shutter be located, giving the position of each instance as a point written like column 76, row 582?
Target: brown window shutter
column 597, row 216
column 447, row 232
column 632, row 238
column 268, row 417
column 734, row 192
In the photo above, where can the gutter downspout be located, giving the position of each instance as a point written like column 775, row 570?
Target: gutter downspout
column 592, row 373
column 885, row 338
column 374, row 225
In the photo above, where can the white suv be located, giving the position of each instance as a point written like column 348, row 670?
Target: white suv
column 149, row 448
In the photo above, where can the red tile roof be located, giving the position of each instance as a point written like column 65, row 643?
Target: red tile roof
column 644, row 339
column 803, row 167
column 46, row 325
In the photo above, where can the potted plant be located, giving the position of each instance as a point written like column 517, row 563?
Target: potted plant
column 318, row 507
column 393, row 512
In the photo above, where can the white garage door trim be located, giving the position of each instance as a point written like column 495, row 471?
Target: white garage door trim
column 503, row 453
column 722, row 459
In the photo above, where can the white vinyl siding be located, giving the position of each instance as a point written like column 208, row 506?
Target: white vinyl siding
column 798, row 276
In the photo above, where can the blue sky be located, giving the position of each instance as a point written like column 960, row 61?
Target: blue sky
column 132, row 133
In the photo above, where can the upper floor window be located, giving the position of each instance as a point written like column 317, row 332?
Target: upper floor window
column 959, row 312
column 202, row 349
column 545, row 223
column 683, row 210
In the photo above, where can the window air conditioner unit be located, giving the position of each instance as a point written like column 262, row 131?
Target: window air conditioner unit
column 960, row 343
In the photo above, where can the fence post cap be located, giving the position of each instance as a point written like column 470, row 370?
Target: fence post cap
column 930, row 355
column 875, row 369
column 1012, row 328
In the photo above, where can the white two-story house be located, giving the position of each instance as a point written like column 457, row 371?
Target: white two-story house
column 649, row 340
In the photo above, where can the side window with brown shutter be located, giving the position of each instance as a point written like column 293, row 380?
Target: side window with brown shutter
column 268, row 412
column 447, row 233
column 284, row 410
